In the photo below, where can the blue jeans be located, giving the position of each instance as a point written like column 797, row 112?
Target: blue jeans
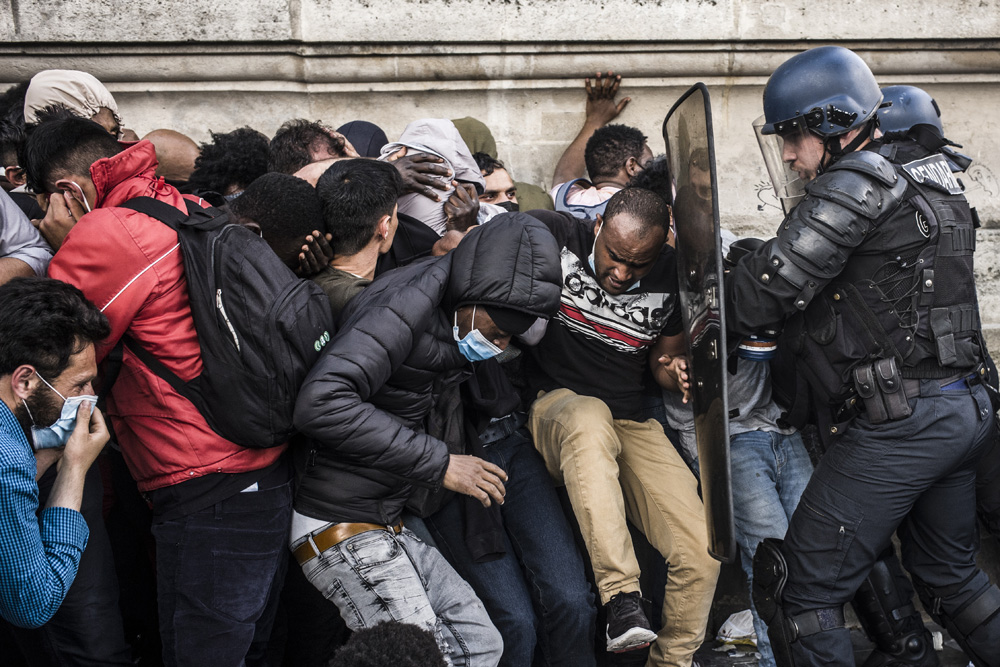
column 917, row 474
column 769, row 471
column 219, row 574
column 537, row 592
column 379, row 576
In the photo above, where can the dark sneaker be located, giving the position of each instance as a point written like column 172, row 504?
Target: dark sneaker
column 628, row 627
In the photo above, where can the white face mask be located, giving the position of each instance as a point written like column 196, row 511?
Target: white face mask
column 593, row 266
column 86, row 206
column 58, row 433
column 534, row 334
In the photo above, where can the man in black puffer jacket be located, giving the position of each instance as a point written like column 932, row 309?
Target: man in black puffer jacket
column 411, row 333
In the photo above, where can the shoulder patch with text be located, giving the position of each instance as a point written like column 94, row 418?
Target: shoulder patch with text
column 934, row 171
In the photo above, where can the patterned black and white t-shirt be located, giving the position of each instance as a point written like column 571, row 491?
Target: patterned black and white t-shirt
column 598, row 343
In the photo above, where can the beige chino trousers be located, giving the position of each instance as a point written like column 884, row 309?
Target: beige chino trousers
column 615, row 469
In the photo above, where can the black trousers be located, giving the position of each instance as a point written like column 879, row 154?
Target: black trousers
column 219, row 577
column 918, row 475
column 87, row 629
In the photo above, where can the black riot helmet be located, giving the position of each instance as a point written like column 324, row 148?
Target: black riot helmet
column 914, row 114
column 828, row 90
column 909, row 106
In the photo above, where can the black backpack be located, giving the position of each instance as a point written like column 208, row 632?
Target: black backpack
column 260, row 327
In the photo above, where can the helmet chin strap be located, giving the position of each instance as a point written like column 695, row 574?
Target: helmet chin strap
column 836, row 151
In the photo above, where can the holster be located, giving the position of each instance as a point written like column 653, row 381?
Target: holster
column 880, row 387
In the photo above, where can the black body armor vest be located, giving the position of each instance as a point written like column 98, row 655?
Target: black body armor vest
column 906, row 291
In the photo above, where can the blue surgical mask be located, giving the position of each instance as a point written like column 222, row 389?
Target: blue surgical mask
column 58, row 433
column 475, row 346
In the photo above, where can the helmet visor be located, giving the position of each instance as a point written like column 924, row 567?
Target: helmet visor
column 789, row 188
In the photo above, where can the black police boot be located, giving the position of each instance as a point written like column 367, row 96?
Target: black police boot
column 884, row 605
column 913, row 650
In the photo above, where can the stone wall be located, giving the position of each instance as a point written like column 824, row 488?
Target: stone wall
column 199, row 65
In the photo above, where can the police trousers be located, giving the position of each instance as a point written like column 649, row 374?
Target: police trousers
column 916, row 475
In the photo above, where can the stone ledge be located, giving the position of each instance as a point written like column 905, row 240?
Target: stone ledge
column 739, row 63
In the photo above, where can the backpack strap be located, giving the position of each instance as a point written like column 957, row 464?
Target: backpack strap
column 155, row 365
column 588, row 212
column 197, row 217
column 112, row 367
column 206, row 218
column 563, row 191
column 162, row 211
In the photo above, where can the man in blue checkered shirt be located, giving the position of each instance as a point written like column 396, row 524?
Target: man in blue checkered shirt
column 47, row 364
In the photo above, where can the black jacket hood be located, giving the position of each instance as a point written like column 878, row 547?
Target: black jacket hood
column 512, row 261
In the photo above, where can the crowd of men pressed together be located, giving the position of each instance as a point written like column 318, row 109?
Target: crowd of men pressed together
column 330, row 399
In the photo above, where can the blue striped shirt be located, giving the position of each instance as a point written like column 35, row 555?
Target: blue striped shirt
column 38, row 556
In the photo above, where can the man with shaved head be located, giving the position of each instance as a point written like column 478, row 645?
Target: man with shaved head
column 619, row 309
column 176, row 154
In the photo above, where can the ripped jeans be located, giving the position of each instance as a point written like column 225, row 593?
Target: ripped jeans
column 376, row 576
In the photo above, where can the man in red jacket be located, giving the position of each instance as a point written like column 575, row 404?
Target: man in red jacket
column 221, row 512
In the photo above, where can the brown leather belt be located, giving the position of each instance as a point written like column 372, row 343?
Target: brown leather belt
column 334, row 535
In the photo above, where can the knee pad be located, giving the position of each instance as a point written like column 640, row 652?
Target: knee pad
column 884, row 605
column 770, row 574
column 975, row 623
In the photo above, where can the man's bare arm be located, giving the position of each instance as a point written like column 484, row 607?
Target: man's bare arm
column 601, row 110
column 11, row 267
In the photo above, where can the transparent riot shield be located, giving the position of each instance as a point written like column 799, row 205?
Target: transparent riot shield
column 687, row 131
column 789, row 187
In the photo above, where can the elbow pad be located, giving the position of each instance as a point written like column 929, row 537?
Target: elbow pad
column 842, row 206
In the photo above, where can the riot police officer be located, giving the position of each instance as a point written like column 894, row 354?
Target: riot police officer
column 883, row 602
column 871, row 277
column 916, row 115
column 908, row 112
column 905, row 107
